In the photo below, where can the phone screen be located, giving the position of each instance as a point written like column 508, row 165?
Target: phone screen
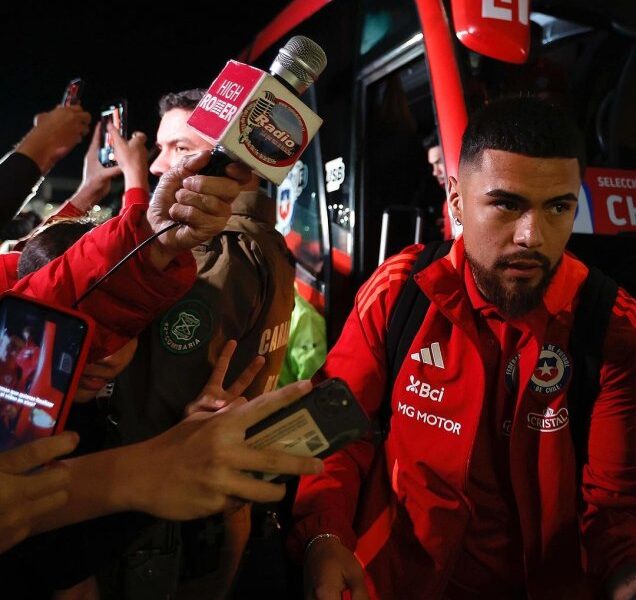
column 42, row 355
column 116, row 114
column 73, row 92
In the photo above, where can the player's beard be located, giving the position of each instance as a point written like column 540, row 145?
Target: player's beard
column 520, row 296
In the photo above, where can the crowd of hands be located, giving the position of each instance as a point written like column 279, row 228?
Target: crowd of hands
column 200, row 466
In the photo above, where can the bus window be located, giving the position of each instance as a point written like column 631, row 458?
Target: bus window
column 298, row 212
column 575, row 65
column 398, row 118
column 386, row 25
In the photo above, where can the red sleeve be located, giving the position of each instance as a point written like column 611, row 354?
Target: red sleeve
column 609, row 478
column 135, row 196
column 67, row 210
column 126, row 302
column 326, row 503
column 8, row 270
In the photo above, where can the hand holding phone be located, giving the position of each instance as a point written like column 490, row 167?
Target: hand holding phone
column 115, row 113
column 43, row 350
column 321, row 422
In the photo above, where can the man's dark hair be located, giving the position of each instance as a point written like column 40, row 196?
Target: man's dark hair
column 431, row 140
column 187, row 99
column 524, row 125
column 50, row 243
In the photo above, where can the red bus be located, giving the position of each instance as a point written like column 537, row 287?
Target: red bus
column 399, row 71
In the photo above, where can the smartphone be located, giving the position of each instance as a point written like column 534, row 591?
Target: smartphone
column 43, row 350
column 73, row 92
column 115, row 113
column 318, row 424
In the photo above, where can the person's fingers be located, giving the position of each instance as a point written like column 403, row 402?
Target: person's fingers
column 22, row 520
column 198, row 219
column 191, row 164
column 276, row 462
column 221, row 187
column 205, row 415
column 84, row 120
column 138, row 137
column 219, row 369
column 207, row 204
column 47, row 481
column 242, row 173
column 119, row 142
column 247, row 488
column 111, row 172
column 43, row 505
column 359, row 591
column 95, row 140
column 266, row 404
column 207, row 404
column 246, row 377
column 172, row 179
column 39, row 452
column 324, row 592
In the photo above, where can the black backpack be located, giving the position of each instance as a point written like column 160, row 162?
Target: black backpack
column 586, row 341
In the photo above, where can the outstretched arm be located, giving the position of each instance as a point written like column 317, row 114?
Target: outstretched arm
column 194, row 469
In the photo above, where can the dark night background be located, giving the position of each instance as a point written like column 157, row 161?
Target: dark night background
column 120, row 50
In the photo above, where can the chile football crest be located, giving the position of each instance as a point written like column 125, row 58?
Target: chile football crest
column 550, row 375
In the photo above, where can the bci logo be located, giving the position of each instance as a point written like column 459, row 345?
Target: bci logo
column 502, row 10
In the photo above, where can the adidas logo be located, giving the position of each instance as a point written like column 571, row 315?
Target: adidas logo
column 430, row 356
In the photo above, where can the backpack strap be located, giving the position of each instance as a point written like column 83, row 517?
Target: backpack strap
column 406, row 318
column 591, row 319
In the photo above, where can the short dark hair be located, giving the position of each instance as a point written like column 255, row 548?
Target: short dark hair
column 187, row 99
column 51, row 242
column 525, row 125
column 431, row 140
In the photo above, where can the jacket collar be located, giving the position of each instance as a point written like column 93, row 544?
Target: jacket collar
column 444, row 283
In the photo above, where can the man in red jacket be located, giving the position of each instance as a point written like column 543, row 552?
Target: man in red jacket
column 473, row 493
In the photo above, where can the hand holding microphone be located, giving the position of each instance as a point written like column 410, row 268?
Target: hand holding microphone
column 200, row 205
column 255, row 120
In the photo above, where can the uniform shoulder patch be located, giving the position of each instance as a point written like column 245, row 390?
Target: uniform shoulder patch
column 185, row 327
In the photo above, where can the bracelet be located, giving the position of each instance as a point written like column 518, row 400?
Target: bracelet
column 317, row 538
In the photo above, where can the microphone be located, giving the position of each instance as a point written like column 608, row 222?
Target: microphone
column 258, row 118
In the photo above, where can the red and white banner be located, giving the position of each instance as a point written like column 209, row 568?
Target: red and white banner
column 607, row 202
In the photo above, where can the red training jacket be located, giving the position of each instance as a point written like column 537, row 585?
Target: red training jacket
column 411, row 518
column 124, row 304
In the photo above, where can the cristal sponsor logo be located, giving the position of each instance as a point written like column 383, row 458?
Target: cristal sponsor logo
column 549, row 421
column 429, row 356
column 424, row 390
column 429, row 419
